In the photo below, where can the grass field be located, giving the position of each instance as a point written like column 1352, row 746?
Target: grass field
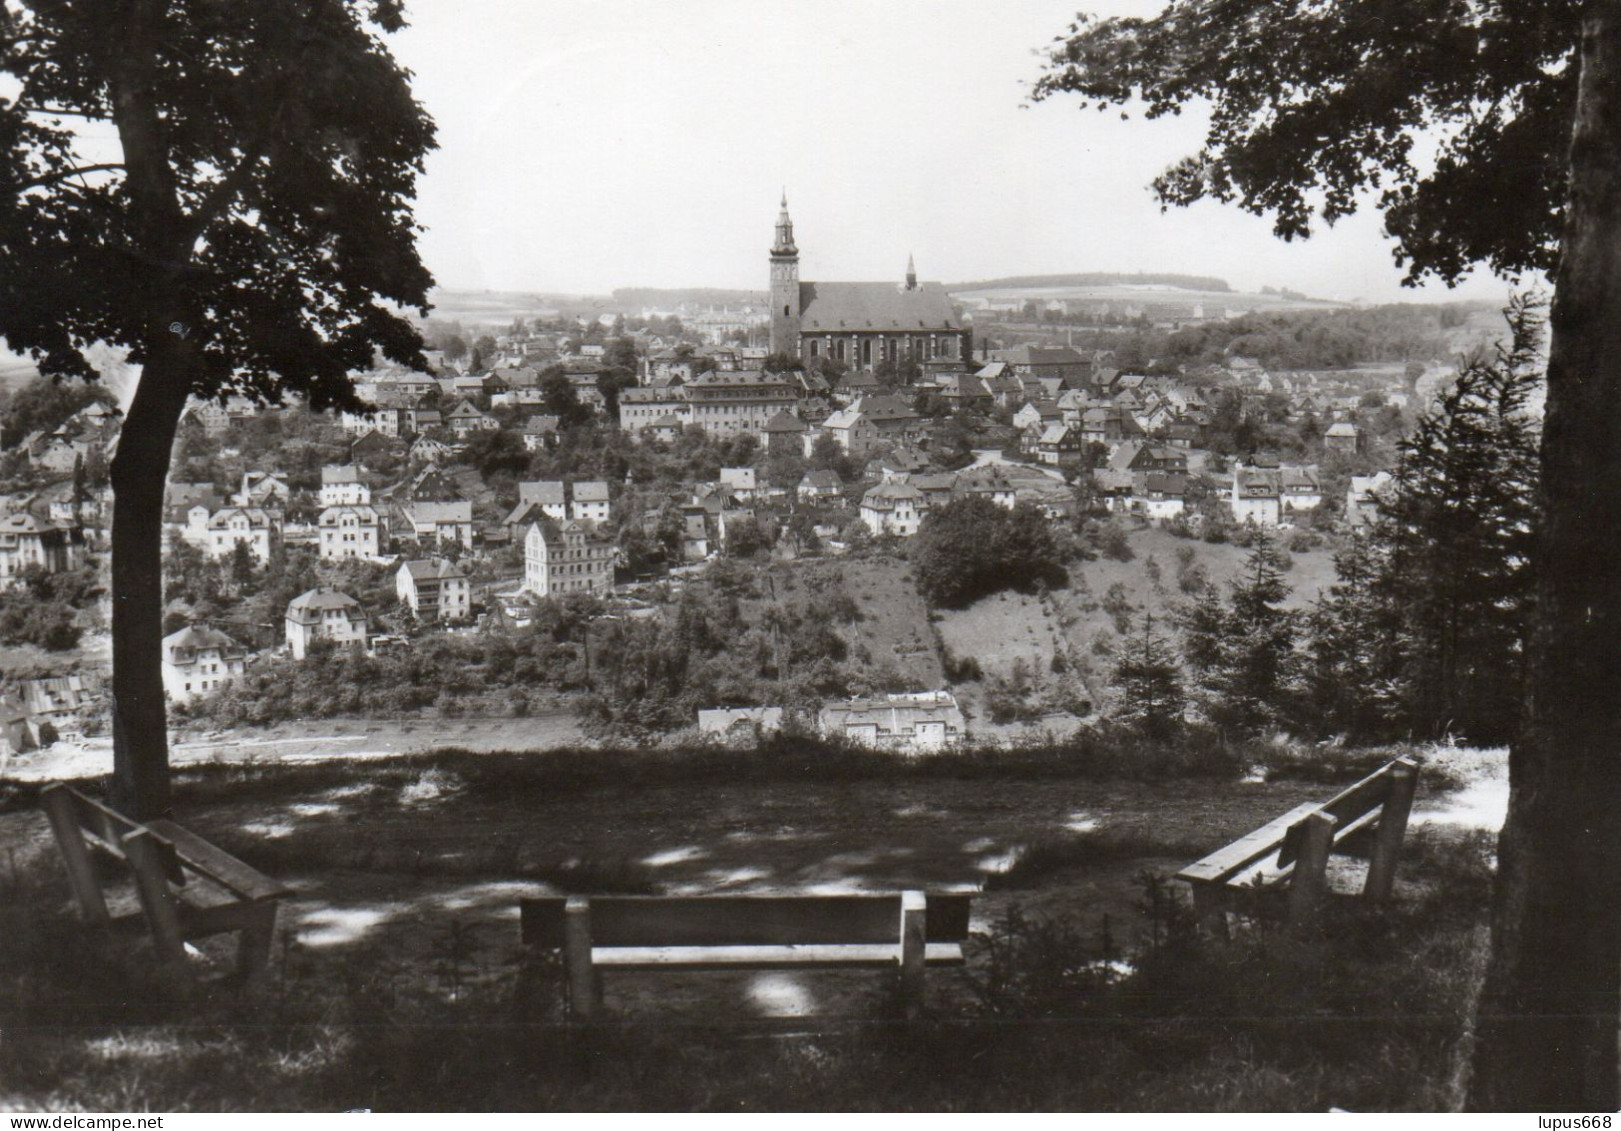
column 400, row 942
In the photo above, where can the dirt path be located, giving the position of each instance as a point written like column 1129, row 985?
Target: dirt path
column 313, row 740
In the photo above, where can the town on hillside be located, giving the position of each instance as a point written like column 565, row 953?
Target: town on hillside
column 578, row 478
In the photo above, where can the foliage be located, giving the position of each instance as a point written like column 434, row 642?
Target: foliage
column 1426, row 631
column 1242, row 651
column 1316, row 105
column 42, row 610
column 971, row 548
column 1149, row 681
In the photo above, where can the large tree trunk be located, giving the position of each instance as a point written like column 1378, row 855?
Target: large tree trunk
column 1548, row 1025
column 159, row 257
column 140, row 471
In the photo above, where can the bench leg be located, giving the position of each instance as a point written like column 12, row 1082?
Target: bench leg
column 157, row 901
column 1392, row 829
column 1210, row 910
column 1308, row 887
column 914, row 913
column 583, row 985
column 258, row 932
column 81, row 869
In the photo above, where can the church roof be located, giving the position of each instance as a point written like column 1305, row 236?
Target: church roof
column 832, row 307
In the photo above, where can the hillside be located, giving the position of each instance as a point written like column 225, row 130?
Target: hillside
column 1097, row 279
column 1083, row 621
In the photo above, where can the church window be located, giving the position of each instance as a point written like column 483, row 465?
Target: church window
column 785, row 310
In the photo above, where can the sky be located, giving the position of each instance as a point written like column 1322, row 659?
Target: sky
column 588, row 146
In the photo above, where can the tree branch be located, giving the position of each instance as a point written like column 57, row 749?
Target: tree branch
column 223, row 189
column 66, row 112
column 64, row 174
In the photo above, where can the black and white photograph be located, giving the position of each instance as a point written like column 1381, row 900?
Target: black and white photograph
column 831, row 555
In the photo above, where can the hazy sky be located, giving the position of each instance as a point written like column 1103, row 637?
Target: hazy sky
column 587, row 146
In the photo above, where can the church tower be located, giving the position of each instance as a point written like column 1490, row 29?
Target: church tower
column 785, row 287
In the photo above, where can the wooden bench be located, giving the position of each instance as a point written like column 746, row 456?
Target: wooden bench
column 1367, row 820
column 904, row 931
column 167, row 862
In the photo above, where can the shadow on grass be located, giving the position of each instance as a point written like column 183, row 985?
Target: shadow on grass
column 1367, row 1019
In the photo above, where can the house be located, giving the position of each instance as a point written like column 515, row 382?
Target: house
column 991, row 483
column 17, row 735
column 425, row 418
column 1255, row 496
column 723, row 721
column 199, row 660
column 893, row 508
column 1135, row 456
column 434, row 589
column 852, row 431
column 820, row 484
column 740, row 480
column 784, row 432
column 1037, row 412
column 540, row 432
column 253, row 527
column 1362, row 498
column 568, row 557
column 341, row 486
column 589, row 502
column 961, row 391
column 386, row 419
column 666, row 428
column 1342, row 436
column 1109, row 425
column 1159, row 494
column 349, row 532
column 266, row 489
column 898, row 463
column 1060, row 444
column 437, row 520
column 466, row 420
column 1062, row 363
column 1299, row 489
column 914, row 722
column 324, row 614
column 26, row 542
column 55, row 699
column 426, row 450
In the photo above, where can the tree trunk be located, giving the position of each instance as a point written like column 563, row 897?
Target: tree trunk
column 1547, row 1029
column 140, row 472
column 161, row 248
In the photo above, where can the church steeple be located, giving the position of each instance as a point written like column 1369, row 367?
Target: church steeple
column 785, row 302
column 911, row 273
column 784, row 244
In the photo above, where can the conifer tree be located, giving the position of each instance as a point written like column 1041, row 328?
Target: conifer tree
column 1244, row 650
column 1150, row 684
column 1454, row 541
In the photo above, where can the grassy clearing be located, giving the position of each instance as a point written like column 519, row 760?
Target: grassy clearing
column 399, row 984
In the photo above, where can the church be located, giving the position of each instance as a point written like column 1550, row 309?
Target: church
column 858, row 325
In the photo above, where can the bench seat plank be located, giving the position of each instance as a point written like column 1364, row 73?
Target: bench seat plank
column 218, row 865
column 1220, row 866
column 765, row 957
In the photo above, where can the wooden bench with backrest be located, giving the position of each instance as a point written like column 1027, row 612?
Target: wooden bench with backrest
column 903, row 931
column 188, row 889
column 1368, row 820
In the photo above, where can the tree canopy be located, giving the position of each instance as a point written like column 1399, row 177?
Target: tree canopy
column 269, row 155
column 1313, row 107
column 236, row 217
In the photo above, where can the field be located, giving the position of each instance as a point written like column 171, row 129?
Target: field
column 894, row 624
column 407, row 876
column 1084, row 620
